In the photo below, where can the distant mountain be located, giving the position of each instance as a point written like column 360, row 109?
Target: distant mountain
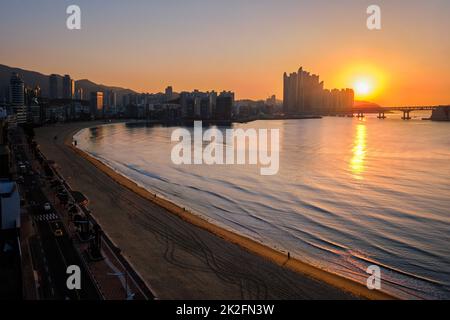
column 365, row 104
column 89, row 86
column 32, row 79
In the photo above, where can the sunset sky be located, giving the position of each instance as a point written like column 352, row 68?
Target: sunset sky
column 239, row 45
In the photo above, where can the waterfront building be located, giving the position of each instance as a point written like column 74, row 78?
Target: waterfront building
column 224, row 105
column 17, row 98
column 68, row 87
column 32, row 95
column 17, row 90
column 131, row 111
column 113, row 99
column 96, row 104
column 169, row 93
column 110, row 99
column 167, row 112
column 61, row 110
column 106, row 94
column 304, row 93
column 125, row 100
column 110, row 102
column 197, row 104
column 271, row 101
column 79, row 94
column 53, row 87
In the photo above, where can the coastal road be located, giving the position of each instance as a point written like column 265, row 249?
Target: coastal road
column 177, row 259
column 51, row 254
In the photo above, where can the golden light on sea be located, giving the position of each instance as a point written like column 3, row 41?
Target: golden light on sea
column 359, row 152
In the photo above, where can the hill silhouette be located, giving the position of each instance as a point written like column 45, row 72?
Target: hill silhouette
column 33, row 78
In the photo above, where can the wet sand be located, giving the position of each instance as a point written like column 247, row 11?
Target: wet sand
column 179, row 254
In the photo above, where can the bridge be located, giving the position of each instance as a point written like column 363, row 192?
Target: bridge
column 382, row 110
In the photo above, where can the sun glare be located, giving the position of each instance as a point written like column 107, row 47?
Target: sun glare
column 367, row 80
column 362, row 88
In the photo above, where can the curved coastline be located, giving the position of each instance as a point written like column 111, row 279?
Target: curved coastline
column 246, row 243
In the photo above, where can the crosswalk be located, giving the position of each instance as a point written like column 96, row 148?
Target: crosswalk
column 46, row 217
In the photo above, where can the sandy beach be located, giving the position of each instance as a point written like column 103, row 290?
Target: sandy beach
column 179, row 254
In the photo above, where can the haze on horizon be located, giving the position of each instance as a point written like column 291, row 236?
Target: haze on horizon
column 244, row 46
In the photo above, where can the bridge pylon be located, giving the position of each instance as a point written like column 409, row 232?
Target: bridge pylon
column 406, row 115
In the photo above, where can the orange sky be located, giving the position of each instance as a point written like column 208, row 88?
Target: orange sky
column 242, row 46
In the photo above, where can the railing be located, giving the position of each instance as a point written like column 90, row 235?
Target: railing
column 398, row 108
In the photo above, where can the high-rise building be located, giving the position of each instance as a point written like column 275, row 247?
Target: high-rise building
column 68, row 87
column 110, row 102
column 17, row 90
column 113, row 109
column 224, row 105
column 197, row 104
column 106, row 98
column 53, row 87
column 17, row 98
column 113, row 99
column 271, row 101
column 32, row 95
column 304, row 93
column 96, row 104
column 79, row 94
column 169, row 93
column 110, row 98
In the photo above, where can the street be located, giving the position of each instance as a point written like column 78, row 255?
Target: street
column 52, row 252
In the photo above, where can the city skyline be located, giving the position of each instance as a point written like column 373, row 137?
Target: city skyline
column 209, row 151
column 245, row 51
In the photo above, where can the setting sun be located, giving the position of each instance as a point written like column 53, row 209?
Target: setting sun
column 363, row 88
column 367, row 80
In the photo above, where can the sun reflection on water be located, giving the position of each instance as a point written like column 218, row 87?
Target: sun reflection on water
column 359, row 151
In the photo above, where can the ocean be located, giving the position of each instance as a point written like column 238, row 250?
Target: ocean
column 349, row 193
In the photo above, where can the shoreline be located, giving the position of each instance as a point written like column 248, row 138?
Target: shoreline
column 245, row 243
